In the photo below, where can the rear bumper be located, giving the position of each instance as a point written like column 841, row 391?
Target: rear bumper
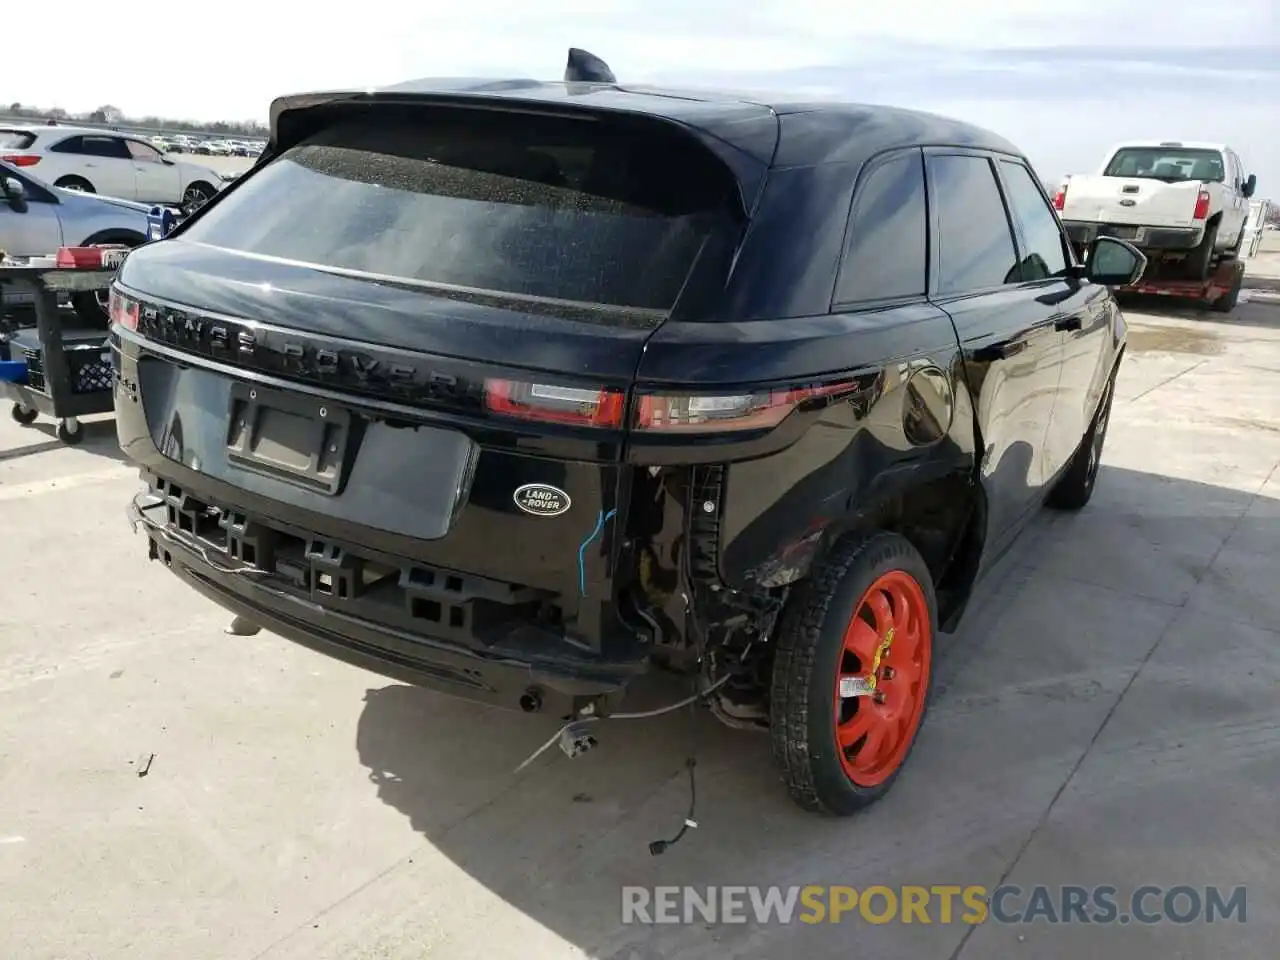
column 500, row 674
column 1083, row 233
column 358, row 576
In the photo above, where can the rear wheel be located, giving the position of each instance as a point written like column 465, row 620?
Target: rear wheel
column 853, row 673
column 1075, row 488
column 79, row 184
column 1227, row 302
column 196, row 196
column 1200, row 260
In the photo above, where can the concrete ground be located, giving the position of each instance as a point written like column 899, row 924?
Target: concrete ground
column 1109, row 714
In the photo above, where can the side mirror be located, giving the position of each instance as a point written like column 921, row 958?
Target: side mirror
column 1114, row 263
column 15, row 192
column 1250, row 185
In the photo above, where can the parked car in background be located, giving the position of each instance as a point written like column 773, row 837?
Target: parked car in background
column 216, row 148
column 810, row 371
column 36, row 219
column 114, row 164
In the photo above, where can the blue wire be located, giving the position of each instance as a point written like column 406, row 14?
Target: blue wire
column 601, row 519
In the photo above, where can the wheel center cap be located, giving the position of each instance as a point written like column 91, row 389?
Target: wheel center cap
column 866, row 686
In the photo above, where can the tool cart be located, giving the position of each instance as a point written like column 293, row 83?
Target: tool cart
column 56, row 367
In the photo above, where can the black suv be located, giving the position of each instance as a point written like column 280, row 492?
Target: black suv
column 518, row 390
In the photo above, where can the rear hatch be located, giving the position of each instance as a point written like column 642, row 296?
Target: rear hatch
column 455, row 303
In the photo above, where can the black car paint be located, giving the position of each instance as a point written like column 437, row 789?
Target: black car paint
column 992, row 388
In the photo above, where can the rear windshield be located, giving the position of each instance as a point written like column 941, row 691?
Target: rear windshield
column 544, row 207
column 16, row 139
column 1167, row 163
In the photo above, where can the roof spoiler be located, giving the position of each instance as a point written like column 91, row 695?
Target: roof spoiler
column 585, row 67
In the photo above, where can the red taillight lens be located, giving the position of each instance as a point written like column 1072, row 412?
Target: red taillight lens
column 1060, row 198
column 123, row 310
column 79, row 258
column 21, row 159
column 1202, row 204
column 714, row 414
column 549, row 403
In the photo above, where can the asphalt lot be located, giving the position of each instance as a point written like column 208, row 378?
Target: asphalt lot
column 1109, row 714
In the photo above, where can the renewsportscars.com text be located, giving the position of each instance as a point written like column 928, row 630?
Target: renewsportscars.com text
column 939, row 903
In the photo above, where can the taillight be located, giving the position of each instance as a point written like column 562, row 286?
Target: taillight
column 1202, row 204
column 700, row 413
column 1060, row 198
column 549, row 403
column 21, row 159
column 123, row 310
column 653, row 412
column 79, row 258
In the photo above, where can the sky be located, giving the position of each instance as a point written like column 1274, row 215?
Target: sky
column 1063, row 81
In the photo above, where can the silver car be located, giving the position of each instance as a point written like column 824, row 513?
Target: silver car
column 36, row 219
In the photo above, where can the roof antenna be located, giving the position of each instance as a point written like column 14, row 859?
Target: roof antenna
column 585, row 67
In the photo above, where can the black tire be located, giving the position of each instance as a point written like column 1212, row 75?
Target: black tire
column 196, row 196
column 1074, row 488
column 1227, row 302
column 1199, row 261
column 24, row 415
column 75, row 183
column 70, row 436
column 805, row 703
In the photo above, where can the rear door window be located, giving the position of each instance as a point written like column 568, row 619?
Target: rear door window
column 112, row 148
column 16, row 139
column 1045, row 255
column 529, row 207
column 888, row 234
column 975, row 241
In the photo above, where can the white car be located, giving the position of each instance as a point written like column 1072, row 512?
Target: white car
column 107, row 162
column 1168, row 198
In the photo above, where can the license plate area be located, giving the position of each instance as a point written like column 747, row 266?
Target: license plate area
column 289, row 436
column 1121, row 232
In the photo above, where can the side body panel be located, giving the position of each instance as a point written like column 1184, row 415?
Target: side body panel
column 1012, row 360
column 1084, row 315
column 899, row 422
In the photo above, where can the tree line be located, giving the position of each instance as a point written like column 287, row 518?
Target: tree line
column 115, row 117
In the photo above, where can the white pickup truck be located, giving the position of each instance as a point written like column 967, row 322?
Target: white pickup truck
column 1173, row 200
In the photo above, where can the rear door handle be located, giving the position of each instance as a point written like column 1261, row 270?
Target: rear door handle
column 1068, row 323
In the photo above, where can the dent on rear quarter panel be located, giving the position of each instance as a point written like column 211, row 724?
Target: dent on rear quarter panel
column 785, row 494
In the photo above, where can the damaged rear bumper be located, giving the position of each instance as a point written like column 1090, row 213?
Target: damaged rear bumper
column 515, row 665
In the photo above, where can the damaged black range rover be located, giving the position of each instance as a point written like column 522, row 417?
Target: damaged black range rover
column 519, row 390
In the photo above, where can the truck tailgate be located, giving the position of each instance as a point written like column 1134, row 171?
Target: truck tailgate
column 1131, row 200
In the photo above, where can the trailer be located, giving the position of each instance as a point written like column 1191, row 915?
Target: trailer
column 1219, row 292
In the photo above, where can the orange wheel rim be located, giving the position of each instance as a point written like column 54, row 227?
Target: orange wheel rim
column 882, row 678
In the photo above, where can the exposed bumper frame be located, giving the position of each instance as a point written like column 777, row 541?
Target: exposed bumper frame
column 399, row 655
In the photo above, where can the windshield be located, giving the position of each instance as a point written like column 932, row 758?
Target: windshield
column 531, row 207
column 1169, row 164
